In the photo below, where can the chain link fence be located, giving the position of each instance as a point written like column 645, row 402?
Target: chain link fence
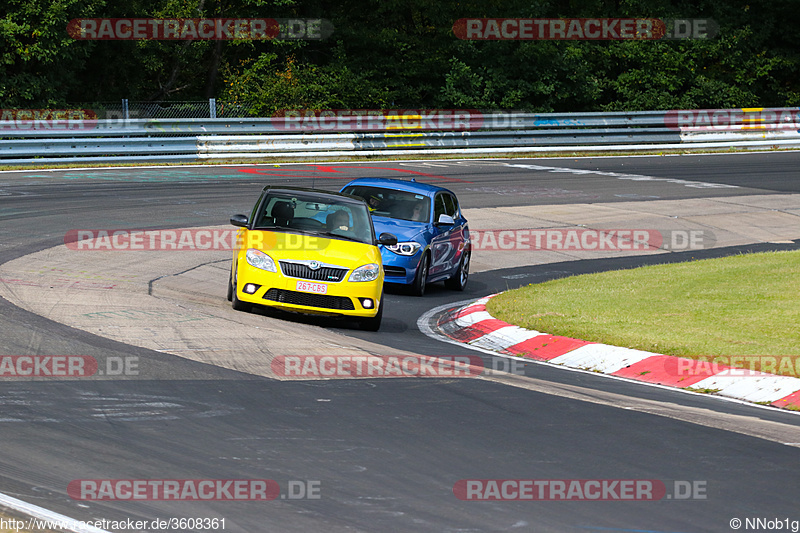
column 123, row 109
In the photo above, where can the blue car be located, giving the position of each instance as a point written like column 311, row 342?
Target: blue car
column 432, row 234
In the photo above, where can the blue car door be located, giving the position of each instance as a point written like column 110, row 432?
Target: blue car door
column 459, row 236
column 444, row 245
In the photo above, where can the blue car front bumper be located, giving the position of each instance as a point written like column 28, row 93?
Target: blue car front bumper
column 400, row 269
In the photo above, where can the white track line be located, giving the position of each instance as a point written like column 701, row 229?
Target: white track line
column 58, row 521
column 135, row 166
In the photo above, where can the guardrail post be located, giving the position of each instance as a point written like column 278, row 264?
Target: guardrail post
column 125, row 114
column 212, row 106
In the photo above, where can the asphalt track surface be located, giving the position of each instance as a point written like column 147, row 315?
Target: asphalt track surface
column 386, row 453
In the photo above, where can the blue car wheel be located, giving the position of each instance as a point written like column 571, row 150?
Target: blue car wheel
column 459, row 280
column 421, row 279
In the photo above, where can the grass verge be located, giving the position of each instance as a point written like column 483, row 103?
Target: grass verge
column 735, row 310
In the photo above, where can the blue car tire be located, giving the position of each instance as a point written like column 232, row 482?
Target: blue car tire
column 459, row 280
column 421, row 279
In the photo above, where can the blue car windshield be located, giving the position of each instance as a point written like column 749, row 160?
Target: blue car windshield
column 325, row 217
column 392, row 203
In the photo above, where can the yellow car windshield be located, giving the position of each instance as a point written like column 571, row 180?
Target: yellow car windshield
column 345, row 219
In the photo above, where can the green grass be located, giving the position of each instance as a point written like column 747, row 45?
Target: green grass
column 743, row 305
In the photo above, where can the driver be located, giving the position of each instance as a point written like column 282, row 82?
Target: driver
column 418, row 214
column 338, row 220
column 374, row 202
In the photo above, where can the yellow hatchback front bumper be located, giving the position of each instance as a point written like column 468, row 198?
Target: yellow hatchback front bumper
column 313, row 280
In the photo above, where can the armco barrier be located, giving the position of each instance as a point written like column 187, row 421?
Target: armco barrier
column 450, row 132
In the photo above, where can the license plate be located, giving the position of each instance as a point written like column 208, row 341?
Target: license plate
column 319, row 288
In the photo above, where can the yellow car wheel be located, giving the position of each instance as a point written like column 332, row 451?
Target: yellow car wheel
column 236, row 303
column 373, row 323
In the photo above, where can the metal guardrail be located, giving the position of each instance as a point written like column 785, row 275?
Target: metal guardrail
column 468, row 120
column 98, row 146
column 392, row 133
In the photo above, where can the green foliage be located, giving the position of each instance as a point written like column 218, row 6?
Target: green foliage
column 403, row 54
column 39, row 62
column 271, row 86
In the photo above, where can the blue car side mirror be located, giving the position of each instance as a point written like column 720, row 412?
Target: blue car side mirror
column 387, row 239
column 445, row 220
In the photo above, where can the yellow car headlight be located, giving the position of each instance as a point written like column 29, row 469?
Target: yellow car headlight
column 259, row 259
column 368, row 272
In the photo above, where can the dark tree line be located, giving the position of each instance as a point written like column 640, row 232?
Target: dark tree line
column 403, row 54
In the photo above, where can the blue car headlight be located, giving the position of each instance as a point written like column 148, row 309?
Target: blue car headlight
column 404, row 248
column 368, row 272
column 259, row 259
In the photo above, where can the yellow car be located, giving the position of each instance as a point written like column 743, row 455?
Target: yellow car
column 309, row 251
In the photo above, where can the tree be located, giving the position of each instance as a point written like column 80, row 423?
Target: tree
column 39, row 63
column 404, row 54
